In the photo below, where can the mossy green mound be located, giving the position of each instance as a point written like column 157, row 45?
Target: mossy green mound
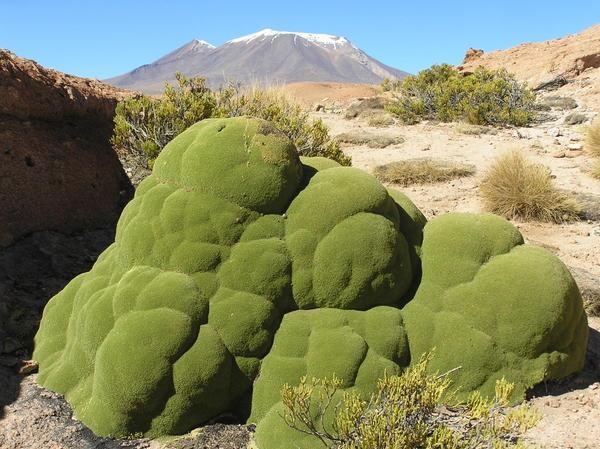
column 238, row 267
column 169, row 328
column 359, row 347
column 487, row 305
column 494, row 307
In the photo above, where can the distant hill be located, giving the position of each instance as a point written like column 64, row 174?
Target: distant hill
column 268, row 56
column 572, row 60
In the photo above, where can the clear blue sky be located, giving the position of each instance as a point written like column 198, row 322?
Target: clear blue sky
column 104, row 38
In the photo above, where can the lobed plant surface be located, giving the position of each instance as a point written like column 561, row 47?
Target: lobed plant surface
column 240, row 267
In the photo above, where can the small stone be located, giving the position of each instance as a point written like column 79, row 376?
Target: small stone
column 575, row 146
column 572, row 154
column 558, row 154
column 554, row 131
column 27, row 367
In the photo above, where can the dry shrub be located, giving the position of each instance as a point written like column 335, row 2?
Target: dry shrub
column 144, row 125
column 365, row 106
column 413, row 410
column 595, row 172
column 368, row 139
column 474, row 130
column 592, row 146
column 380, row 120
column 592, row 139
column 421, row 171
column 516, row 188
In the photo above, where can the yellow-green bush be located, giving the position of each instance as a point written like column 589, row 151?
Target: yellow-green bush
column 144, row 125
column 441, row 92
column 407, row 411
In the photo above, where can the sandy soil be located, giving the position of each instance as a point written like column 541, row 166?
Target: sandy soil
column 334, row 94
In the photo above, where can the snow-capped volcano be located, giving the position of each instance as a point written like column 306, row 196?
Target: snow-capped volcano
column 321, row 39
column 268, row 57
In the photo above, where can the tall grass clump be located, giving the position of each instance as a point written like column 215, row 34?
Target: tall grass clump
column 518, row 189
column 484, row 97
column 413, row 410
column 144, row 125
column 592, row 146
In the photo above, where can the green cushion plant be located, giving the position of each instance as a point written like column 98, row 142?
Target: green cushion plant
column 239, row 267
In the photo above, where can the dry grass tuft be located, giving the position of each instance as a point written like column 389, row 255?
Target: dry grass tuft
column 421, row 171
column 595, row 172
column 592, row 146
column 368, row 139
column 474, row 130
column 516, row 188
column 380, row 120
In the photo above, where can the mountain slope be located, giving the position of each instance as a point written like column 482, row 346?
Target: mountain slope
column 164, row 69
column 267, row 56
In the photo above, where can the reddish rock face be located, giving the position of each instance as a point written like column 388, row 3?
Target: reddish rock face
column 58, row 170
column 472, row 54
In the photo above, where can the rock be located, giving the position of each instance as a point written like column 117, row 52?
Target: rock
column 552, row 84
column 571, row 154
column 28, row 367
column 575, row 118
column 319, row 108
column 558, row 154
column 575, row 146
column 556, row 102
column 554, row 131
column 472, row 54
column 58, row 170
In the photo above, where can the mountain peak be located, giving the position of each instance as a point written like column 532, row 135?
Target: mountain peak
column 201, row 43
column 266, row 56
column 322, row 39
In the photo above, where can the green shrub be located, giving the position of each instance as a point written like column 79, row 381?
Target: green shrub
column 492, row 97
column 516, row 188
column 144, row 125
column 405, row 412
column 390, row 85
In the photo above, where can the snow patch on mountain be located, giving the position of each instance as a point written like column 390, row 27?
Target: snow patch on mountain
column 320, row 39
